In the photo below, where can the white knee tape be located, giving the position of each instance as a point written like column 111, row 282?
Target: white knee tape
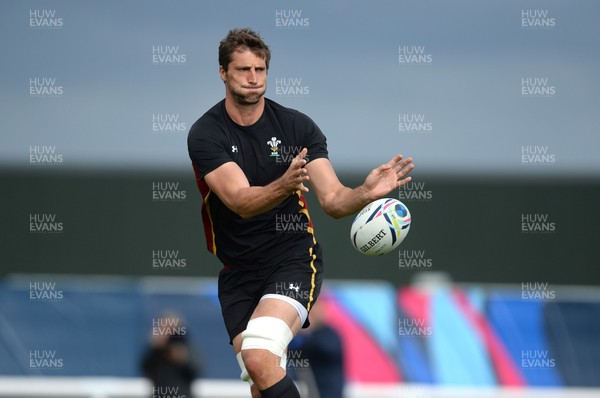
column 267, row 333
column 244, row 376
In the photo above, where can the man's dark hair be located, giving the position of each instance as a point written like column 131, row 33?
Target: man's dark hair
column 242, row 39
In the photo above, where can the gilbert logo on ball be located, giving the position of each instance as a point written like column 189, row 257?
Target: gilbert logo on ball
column 380, row 227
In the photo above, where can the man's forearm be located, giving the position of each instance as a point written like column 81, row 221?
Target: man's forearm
column 251, row 201
column 347, row 201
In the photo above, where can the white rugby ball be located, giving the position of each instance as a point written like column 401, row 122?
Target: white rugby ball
column 380, row 227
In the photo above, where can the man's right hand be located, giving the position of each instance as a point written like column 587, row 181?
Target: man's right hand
column 296, row 175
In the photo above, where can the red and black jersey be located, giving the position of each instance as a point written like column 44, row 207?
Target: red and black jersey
column 264, row 152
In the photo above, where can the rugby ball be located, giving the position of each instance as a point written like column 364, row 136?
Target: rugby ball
column 380, row 227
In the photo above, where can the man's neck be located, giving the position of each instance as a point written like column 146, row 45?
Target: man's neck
column 244, row 115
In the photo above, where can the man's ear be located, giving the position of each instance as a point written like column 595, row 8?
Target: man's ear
column 222, row 73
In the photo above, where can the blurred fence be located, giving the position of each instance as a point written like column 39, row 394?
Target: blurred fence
column 88, row 387
column 432, row 333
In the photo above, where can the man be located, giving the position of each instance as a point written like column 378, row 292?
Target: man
column 169, row 362
column 250, row 190
column 321, row 346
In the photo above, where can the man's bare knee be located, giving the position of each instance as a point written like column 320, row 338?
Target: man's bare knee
column 261, row 364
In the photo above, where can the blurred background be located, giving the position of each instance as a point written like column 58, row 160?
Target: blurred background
column 496, row 287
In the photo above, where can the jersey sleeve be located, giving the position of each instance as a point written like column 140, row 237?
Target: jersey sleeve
column 314, row 139
column 207, row 147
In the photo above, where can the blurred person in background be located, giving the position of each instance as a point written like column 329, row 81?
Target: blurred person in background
column 170, row 362
column 322, row 346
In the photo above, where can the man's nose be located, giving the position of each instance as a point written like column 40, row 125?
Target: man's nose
column 252, row 76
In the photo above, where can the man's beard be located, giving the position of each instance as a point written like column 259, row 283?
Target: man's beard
column 246, row 99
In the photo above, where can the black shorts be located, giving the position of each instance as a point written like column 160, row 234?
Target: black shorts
column 241, row 290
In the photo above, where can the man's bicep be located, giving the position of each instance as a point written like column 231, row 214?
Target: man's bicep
column 225, row 181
